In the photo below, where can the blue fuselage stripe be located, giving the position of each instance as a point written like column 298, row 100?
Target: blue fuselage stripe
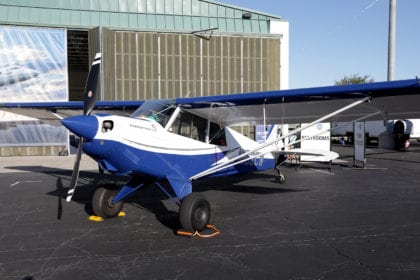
column 128, row 160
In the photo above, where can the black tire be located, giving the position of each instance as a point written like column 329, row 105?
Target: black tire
column 102, row 202
column 194, row 214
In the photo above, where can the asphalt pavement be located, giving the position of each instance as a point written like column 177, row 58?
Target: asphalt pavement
column 347, row 223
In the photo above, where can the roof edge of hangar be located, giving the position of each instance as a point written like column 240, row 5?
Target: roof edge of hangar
column 190, row 16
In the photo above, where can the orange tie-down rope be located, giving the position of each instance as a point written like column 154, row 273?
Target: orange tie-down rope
column 196, row 233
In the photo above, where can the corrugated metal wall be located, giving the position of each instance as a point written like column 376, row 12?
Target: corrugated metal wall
column 163, row 15
column 145, row 65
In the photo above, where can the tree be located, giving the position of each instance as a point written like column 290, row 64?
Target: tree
column 354, row 79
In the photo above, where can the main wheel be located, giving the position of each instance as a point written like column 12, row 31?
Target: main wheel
column 194, row 214
column 102, row 202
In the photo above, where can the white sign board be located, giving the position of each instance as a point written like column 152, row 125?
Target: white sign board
column 314, row 140
column 359, row 143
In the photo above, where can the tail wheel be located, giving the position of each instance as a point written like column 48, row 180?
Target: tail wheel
column 102, row 202
column 194, row 214
column 282, row 178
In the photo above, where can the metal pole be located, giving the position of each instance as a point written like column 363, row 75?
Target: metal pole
column 391, row 39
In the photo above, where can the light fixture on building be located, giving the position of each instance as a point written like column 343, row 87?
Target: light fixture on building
column 246, row 15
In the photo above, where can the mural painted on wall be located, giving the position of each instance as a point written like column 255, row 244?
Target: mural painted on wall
column 33, row 64
column 33, row 68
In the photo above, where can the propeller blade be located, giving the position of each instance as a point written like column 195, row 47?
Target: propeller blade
column 89, row 103
column 75, row 174
column 91, row 86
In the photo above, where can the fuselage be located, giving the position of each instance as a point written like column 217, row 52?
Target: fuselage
column 141, row 146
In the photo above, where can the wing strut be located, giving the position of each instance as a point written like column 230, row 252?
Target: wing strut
column 173, row 117
column 256, row 152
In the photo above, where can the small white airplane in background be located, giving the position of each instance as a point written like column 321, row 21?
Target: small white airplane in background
column 182, row 140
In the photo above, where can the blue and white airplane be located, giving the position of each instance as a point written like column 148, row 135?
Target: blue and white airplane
column 179, row 141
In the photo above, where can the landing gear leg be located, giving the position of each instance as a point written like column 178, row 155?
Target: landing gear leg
column 279, row 162
column 102, row 202
column 194, row 214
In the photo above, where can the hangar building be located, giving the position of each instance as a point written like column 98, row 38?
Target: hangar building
column 151, row 49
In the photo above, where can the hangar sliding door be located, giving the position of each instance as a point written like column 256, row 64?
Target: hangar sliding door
column 146, row 65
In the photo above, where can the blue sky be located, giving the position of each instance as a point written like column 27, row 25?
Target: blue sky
column 330, row 39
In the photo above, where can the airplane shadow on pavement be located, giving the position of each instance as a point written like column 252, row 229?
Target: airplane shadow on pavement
column 150, row 198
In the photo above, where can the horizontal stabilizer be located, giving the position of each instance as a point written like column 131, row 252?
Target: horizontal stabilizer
column 318, row 155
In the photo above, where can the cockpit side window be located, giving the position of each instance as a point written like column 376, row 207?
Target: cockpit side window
column 195, row 127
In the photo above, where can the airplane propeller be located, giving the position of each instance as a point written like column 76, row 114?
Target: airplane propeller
column 88, row 104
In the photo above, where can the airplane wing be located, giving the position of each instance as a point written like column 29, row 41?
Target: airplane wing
column 386, row 100
column 52, row 112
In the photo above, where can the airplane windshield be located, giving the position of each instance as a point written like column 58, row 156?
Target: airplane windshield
column 157, row 110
